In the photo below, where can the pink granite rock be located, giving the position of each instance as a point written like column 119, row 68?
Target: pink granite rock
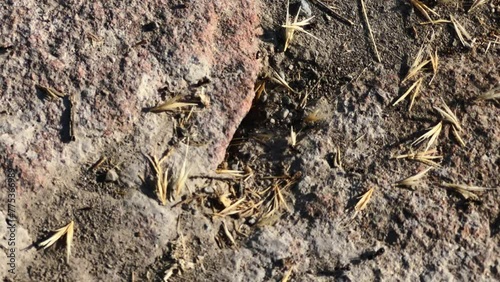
column 115, row 59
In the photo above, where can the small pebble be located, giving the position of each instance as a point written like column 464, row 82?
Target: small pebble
column 306, row 8
column 284, row 113
column 287, row 101
column 111, row 176
column 208, row 190
column 272, row 121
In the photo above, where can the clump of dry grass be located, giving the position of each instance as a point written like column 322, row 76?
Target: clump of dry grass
column 161, row 177
column 292, row 26
column 426, row 157
column 432, row 134
column 413, row 180
column 450, row 117
column 67, row 230
column 462, row 34
column 264, row 205
column 417, row 64
column 416, row 85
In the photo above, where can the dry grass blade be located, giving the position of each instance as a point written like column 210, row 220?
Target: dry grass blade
column 50, row 92
column 490, row 95
column 183, row 174
column 276, row 77
column 363, row 201
column 171, row 105
column 303, row 102
column 440, row 21
column 67, row 230
column 435, row 65
column 466, row 190
column 413, row 180
column 432, row 135
column 424, row 9
column 476, row 4
column 232, row 209
column 293, row 137
column 161, row 179
column 449, row 116
column 295, row 25
column 462, row 34
column 287, row 275
column 231, row 172
column 228, row 233
column 417, row 65
column 416, row 85
column 457, row 136
column 337, row 162
column 426, row 157
column 363, row 7
column 260, row 87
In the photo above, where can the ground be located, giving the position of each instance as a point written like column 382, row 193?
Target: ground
column 290, row 213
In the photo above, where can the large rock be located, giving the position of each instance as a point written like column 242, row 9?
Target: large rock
column 116, row 59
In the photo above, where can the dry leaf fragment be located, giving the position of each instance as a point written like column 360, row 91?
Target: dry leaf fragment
column 413, row 180
column 432, row 135
column 67, row 230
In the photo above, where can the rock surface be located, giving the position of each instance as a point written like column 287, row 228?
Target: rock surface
column 114, row 60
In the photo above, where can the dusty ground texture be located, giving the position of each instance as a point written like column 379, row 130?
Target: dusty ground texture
column 127, row 64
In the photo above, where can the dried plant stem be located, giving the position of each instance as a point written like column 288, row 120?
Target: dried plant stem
column 370, row 31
